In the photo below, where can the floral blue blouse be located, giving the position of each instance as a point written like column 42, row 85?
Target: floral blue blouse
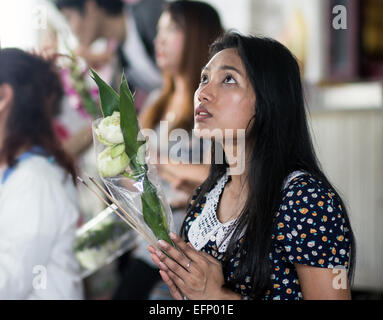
column 309, row 228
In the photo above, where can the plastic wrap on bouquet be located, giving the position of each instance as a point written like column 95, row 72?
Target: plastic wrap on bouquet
column 102, row 240
column 120, row 153
column 138, row 191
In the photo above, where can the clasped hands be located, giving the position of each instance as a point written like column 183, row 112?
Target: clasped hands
column 191, row 273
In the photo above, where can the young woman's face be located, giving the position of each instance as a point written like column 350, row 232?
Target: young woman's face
column 225, row 98
column 169, row 44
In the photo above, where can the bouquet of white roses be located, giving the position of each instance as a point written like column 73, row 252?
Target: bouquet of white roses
column 132, row 183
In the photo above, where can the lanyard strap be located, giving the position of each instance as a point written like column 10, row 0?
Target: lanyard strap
column 35, row 150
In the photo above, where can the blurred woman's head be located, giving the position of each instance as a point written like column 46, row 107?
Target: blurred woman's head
column 185, row 31
column 30, row 96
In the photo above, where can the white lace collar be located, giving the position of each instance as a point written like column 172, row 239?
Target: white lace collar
column 207, row 226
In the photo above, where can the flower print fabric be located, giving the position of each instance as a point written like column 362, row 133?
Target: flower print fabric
column 309, row 228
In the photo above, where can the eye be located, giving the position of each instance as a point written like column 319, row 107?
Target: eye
column 229, row 79
column 204, row 79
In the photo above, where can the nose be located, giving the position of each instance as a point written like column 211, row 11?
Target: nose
column 205, row 93
column 158, row 39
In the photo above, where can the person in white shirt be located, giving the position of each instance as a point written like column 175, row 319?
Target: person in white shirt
column 38, row 206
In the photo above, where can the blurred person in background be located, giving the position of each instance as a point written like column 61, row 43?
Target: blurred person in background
column 185, row 31
column 38, row 202
column 129, row 28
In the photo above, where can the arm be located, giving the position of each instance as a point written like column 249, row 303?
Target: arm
column 321, row 283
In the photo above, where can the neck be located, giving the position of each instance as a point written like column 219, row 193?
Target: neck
column 114, row 27
column 237, row 157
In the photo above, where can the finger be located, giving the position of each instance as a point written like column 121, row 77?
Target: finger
column 189, row 250
column 182, row 286
column 204, row 254
column 172, row 287
column 209, row 258
column 178, row 263
column 151, row 249
column 176, row 255
column 158, row 262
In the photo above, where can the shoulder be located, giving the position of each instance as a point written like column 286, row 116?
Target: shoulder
column 41, row 195
column 309, row 193
column 310, row 224
column 38, row 175
column 39, row 169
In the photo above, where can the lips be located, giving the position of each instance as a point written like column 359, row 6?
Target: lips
column 202, row 113
column 159, row 54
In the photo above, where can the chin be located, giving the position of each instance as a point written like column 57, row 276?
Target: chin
column 204, row 131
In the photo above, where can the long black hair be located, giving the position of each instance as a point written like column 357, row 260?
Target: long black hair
column 279, row 141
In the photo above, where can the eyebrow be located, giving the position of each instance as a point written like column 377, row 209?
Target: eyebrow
column 224, row 67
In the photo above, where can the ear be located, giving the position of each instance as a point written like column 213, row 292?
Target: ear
column 6, row 96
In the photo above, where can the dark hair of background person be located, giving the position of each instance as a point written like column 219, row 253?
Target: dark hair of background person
column 280, row 143
column 201, row 25
column 37, row 97
column 112, row 7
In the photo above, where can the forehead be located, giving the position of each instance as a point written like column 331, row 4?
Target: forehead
column 72, row 11
column 226, row 57
column 165, row 19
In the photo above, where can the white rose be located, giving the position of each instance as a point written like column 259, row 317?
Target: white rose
column 109, row 131
column 112, row 161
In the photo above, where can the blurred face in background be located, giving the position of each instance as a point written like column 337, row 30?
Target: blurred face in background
column 169, row 44
column 84, row 25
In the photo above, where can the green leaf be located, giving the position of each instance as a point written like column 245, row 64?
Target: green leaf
column 129, row 123
column 109, row 98
column 153, row 212
column 101, row 235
